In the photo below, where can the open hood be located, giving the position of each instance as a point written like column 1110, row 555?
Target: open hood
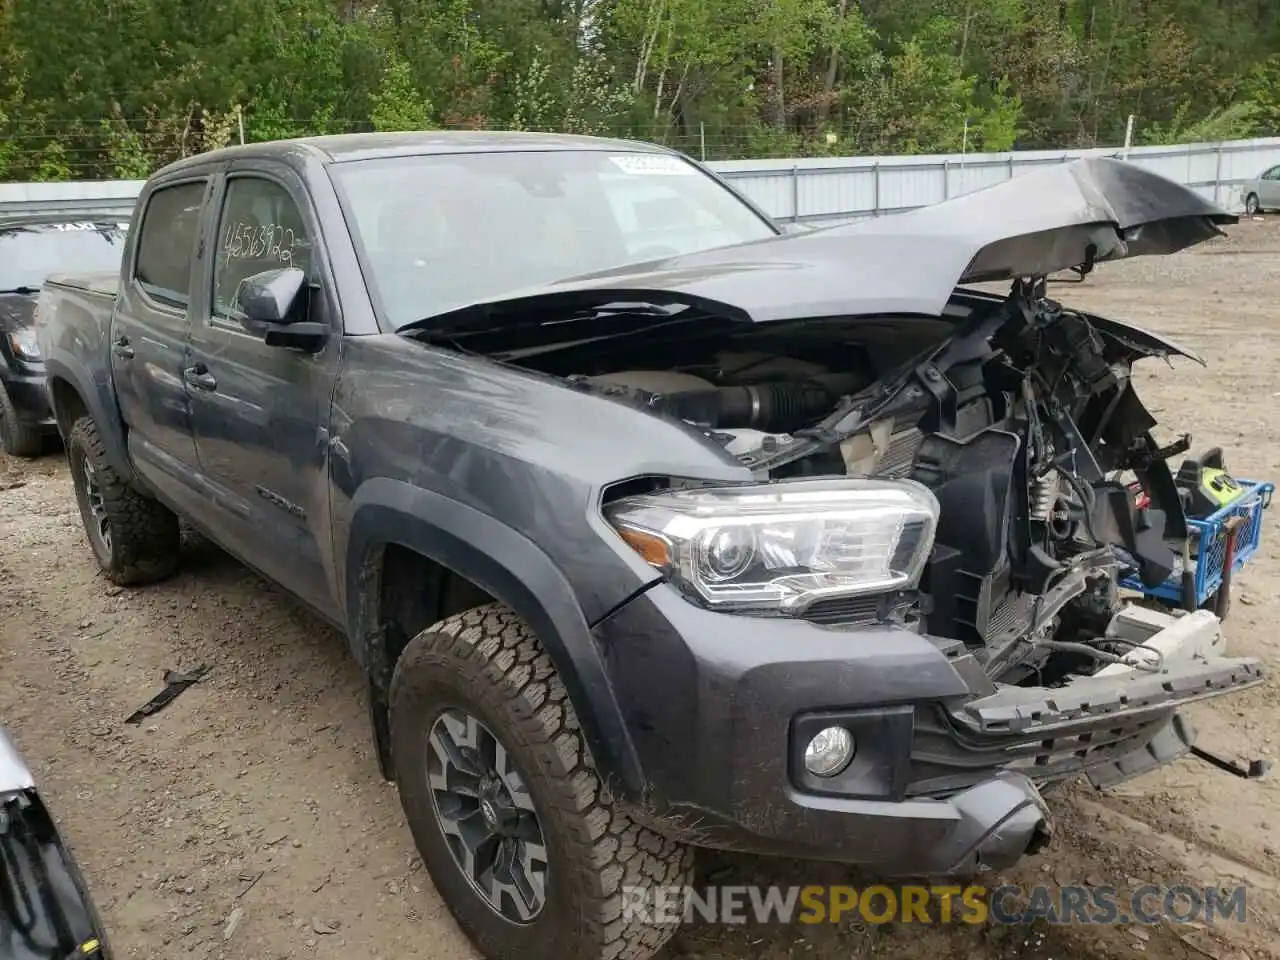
column 1087, row 211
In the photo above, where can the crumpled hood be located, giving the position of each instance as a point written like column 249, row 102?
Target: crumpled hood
column 1091, row 210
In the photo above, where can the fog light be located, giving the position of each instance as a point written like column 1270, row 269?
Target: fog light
column 829, row 752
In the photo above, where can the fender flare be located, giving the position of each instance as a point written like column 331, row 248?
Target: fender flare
column 110, row 425
column 513, row 570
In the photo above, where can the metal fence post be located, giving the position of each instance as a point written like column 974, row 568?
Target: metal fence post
column 1217, row 173
column 946, row 179
column 795, row 193
column 1010, row 166
column 875, row 189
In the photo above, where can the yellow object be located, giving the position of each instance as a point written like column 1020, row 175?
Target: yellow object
column 90, row 946
column 1219, row 486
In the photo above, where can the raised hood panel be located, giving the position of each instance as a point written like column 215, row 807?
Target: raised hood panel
column 1094, row 209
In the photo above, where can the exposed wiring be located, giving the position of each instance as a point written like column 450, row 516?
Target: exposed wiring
column 1087, row 500
column 1135, row 645
column 1069, row 646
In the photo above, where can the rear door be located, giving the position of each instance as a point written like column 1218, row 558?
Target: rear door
column 260, row 413
column 149, row 334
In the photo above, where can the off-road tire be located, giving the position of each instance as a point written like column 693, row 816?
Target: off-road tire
column 488, row 662
column 1252, row 205
column 144, row 535
column 18, row 439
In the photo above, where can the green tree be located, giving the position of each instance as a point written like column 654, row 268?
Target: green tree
column 397, row 103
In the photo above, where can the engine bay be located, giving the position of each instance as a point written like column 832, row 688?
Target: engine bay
column 1017, row 412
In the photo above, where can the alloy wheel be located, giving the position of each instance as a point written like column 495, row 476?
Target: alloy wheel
column 97, row 506
column 487, row 816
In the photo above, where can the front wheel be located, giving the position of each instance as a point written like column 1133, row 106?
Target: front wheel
column 1252, row 206
column 531, row 855
column 17, row 439
column 136, row 539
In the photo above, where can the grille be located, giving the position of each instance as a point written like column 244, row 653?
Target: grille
column 852, row 610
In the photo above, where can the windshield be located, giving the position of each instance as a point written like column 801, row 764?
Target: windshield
column 29, row 253
column 445, row 231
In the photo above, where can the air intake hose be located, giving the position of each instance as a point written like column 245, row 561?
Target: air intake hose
column 773, row 407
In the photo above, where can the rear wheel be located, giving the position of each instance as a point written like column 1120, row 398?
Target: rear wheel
column 1252, row 206
column 136, row 539
column 18, row 439
column 533, row 858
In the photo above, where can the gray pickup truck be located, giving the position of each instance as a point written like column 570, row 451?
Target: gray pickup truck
column 651, row 527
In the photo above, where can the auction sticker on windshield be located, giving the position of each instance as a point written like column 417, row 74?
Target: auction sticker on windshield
column 89, row 225
column 653, row 163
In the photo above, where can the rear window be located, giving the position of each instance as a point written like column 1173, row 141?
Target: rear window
column 166, row 242
column 31, row 252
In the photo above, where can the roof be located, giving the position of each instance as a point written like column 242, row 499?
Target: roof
column 347, row 147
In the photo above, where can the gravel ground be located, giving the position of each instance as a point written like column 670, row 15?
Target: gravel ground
column 247, row 821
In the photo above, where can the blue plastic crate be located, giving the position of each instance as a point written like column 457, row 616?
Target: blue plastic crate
column 1209, row 546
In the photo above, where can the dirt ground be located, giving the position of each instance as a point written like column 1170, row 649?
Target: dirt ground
column 247, row 821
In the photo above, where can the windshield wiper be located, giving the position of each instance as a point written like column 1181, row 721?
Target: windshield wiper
column 25, row 291
column 490, row 317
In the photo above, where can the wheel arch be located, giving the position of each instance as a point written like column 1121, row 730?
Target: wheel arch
column 463, row 558
column 71, row 397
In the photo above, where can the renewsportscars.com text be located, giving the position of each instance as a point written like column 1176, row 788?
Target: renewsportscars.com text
column 934, row 904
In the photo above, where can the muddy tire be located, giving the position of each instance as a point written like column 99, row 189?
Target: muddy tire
column 17, row 439
column 136, row 539
column 1252, row 206
column 479, row 717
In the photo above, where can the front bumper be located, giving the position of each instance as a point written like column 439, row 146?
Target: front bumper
column 946, row 774
column 28, row 393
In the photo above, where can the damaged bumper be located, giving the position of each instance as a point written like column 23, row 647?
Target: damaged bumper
column 45, row 909
column 1113, row 725
column 947, row 768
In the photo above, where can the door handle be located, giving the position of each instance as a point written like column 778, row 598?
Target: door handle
column 200, row 377
column 121, row 347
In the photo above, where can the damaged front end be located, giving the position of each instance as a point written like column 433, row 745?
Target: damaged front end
column 45, row 909
column 862, row 352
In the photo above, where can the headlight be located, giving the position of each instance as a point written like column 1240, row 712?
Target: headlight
column 779, row 547
column 23, row 343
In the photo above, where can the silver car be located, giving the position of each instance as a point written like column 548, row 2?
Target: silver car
column 1262, row 192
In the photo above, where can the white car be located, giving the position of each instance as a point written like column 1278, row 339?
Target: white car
column 1263, row 192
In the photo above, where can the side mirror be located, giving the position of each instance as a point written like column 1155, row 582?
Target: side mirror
column 268, row 297
column 268, row 302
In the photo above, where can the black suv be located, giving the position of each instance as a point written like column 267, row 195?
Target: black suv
column 31, row 248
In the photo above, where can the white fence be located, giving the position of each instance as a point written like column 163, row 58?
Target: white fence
column 822, row 190
column 850, row 188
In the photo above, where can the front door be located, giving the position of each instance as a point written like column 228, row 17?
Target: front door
column 260, row 412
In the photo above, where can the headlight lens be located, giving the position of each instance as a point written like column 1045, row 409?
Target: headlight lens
column 779, row 547
column 23, row 343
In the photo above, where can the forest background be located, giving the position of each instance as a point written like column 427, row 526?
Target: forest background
column 94, row 89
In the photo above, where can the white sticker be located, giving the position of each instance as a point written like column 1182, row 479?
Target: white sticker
column 659, row 164
column 75, row 225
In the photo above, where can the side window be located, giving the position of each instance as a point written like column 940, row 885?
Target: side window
column 1272, row 174
column 260, row 229
column 166, row 242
